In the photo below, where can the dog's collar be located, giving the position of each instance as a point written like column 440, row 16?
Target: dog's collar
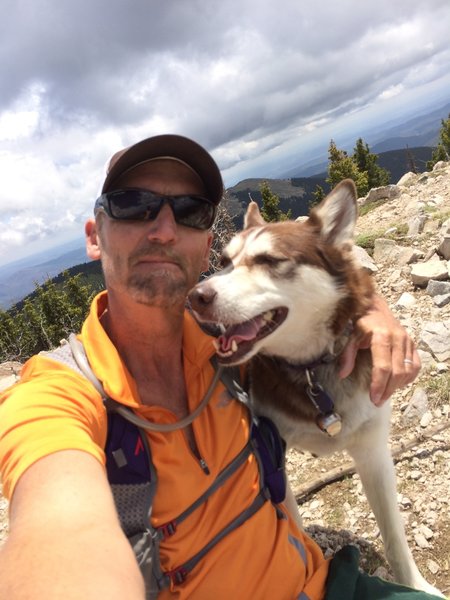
column 327, row 419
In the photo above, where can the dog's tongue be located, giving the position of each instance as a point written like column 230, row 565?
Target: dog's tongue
column 239, row 333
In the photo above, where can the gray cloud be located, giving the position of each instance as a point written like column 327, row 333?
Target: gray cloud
column 79, row 78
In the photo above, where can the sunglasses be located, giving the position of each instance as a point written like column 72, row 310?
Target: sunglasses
column 134, row 204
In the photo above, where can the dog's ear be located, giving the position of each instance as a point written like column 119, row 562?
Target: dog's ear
column 337, row 213
column 253, row 217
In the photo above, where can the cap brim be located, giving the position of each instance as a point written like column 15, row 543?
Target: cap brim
column 174, row 146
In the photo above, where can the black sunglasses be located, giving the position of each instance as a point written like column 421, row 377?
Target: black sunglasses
column 134, row 204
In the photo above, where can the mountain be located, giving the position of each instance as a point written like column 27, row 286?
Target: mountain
column 418, row 131
column 296, row 193
column 422, row 130
column 19, row 278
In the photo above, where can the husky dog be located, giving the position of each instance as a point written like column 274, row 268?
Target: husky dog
column 286, row 299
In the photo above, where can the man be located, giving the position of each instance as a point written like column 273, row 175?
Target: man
column 152, row 233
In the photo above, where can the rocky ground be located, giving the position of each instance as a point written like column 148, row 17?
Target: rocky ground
column 337, row 513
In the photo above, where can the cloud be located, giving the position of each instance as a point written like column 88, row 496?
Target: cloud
column 80, row 79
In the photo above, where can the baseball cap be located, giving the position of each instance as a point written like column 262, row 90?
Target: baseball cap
column 168, row 146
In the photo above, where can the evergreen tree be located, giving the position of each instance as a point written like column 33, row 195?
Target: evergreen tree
column 367, row 163
column 319, row 195
column 342, row 166
column 46, row 317
column 442, row 151
column 270, row 210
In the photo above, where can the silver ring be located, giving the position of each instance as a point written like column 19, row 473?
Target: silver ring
column 408, row 362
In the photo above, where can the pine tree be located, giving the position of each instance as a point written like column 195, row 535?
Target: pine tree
column 319, row 195
column 442, row 151
column 270, row 210
column 341, row 166
column 367, row 163
column 45, row 317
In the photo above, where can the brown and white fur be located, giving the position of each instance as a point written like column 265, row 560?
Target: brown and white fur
column 285, row 298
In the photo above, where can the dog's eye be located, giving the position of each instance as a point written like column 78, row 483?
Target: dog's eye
column 225, row 261
column 268, row 260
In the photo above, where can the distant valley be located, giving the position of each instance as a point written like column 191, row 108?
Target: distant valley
column 18, row 279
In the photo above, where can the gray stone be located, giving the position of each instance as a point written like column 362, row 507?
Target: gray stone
column 435, row 337
column 421, row 273
column 406, row 300
column 364, row 259
column 438, row 288
column 417, row 406
column 387, row 192
column 408, row 255
column 415, row 225
column 426, row 419
column 420, row 540
column 441, row 300
column 407, row 179
column 444, row 247
column 432, row 566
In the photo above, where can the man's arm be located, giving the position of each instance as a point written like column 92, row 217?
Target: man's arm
column 65, row 539
column 389, row 344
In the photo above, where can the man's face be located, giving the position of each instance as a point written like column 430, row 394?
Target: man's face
column 155, row 262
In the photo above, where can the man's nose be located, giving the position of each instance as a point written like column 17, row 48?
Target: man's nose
column 164, row 226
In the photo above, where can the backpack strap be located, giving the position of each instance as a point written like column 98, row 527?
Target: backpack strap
column 133, row 477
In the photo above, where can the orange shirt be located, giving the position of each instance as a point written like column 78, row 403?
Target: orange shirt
column 53, row 408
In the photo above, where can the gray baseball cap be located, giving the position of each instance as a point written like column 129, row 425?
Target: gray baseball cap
column 168, row 146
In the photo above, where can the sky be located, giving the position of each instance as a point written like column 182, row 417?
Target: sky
column 262, row 84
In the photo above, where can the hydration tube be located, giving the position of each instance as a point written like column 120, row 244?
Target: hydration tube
column 80, row 357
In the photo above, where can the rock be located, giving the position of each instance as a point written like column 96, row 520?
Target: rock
column 416, row 225
column 432, row 566
column 386, row 250
column 407, row 179
column 444, row 247
column 441, row 301
column 418, row 405
column 435, row 336
column 421, row 273
column 426, row 419
column 387, row 192
column 438, row 288
column 426, row 358
column 406, row 300
column 426, row 532
column 421, row 541
column 364, row 259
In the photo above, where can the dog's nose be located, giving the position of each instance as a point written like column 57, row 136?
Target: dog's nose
column 202, row 296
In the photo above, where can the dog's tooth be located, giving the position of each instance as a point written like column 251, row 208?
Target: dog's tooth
column 216, row 345
column 234, row 346
column 268, row 316
column 222, row 327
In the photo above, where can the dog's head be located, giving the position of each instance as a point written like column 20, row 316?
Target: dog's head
column 287, row 289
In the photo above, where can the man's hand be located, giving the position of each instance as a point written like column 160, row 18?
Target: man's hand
column 394, row 356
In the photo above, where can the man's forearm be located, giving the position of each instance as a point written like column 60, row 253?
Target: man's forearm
column 86, row 565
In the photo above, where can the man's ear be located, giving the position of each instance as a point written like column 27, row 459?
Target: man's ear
column 205, row 265
column 92, row 239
